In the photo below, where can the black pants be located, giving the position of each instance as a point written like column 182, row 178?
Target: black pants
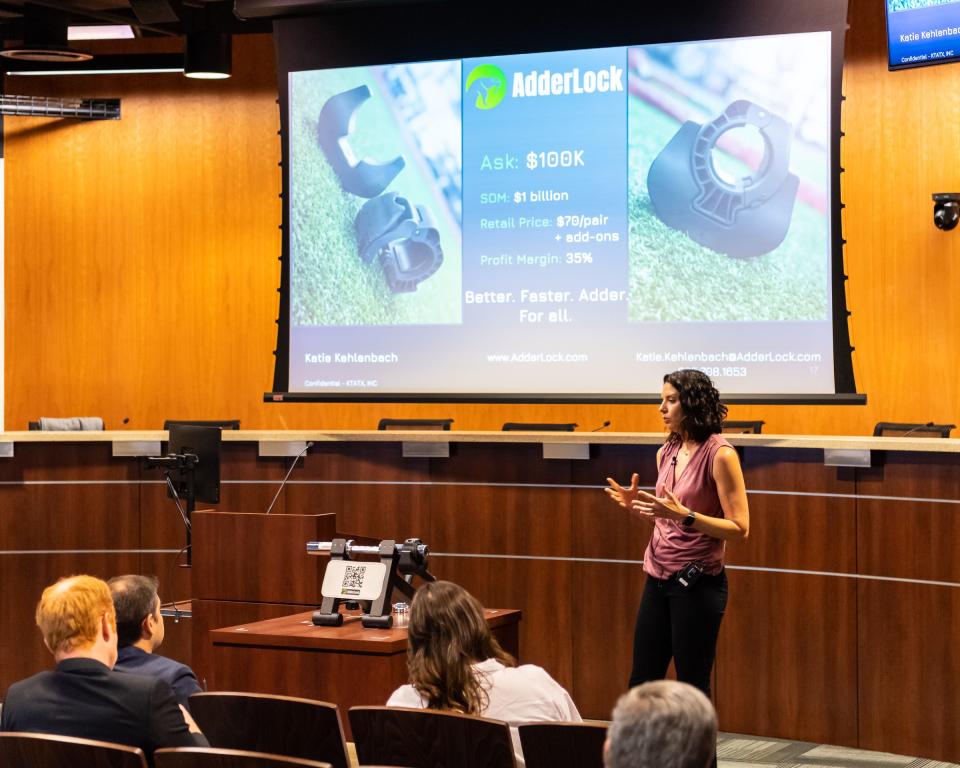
column 682, row 624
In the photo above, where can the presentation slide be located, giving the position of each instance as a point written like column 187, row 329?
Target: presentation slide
column 922, row 31
column 560, row 223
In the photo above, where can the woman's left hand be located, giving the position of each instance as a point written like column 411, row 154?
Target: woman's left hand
column 668, row 507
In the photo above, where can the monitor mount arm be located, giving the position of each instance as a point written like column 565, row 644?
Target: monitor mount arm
column 182, row 467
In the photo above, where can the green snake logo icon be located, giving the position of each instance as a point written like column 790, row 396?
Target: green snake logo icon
column 491, row 85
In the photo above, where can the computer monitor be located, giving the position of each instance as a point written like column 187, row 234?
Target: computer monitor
column 204, row 443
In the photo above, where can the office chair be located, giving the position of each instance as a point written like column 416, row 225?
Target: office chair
column 282, row 725
column 422, row 737
column 742, row 427
column 437, row 424
column 897, row 429
column 546, row 745
column 41, row 749
column 212, row 757
column 67, row 424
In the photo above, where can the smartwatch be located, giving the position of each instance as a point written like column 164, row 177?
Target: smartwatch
column 689, row 520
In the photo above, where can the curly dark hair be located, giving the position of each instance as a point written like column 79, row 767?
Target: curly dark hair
column 703, row 412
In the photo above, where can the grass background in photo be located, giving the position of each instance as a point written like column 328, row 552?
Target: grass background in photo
column 330, row 285
column 673, row 278
column 910, row 5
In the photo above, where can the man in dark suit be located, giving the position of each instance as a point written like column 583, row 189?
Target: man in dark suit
column 140, row 632
column 83, row 696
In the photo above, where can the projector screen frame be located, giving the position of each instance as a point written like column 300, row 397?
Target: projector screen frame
column 331, row 41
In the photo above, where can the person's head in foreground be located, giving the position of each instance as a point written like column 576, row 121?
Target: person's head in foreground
column 139, row 621
column 77, row 619
column 447, row 635
column 661, row 724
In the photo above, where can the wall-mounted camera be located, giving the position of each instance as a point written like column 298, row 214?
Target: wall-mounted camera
column 946, row 210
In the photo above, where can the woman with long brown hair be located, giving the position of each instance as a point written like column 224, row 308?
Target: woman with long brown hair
column 455, row 663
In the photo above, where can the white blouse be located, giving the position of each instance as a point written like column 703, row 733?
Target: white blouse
column 517, row 695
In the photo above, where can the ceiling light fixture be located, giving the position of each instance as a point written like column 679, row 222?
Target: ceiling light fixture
column 62, row 72
column 44, row 38
column 100, row 32
column 208, row 55
column 105, row 64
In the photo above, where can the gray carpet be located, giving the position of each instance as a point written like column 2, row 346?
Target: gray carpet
column 736, row 751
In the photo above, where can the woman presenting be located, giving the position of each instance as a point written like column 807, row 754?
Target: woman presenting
column 700, row 503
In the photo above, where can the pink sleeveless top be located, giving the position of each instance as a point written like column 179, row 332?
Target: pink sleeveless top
column 671, row 545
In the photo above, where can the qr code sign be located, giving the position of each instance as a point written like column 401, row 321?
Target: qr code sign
column 353, row 579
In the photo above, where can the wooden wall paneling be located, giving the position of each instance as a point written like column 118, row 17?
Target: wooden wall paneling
column 910, row 534
column 816, row 531
column 41, row 511
column 24, row 577
column 897, row 260
column 214, row 614
column 510, row 463
column 507, row 506
column 370, row 487
column 83, row 516
column 909, row 669
column 619, row 462
column 907, row 631
column 506, row 499
column 600, row 528
column 787, row 657
column 604, row 599
column 539, row 588
column 249, row 481
column 179, row 248
column 500, row 520
column 65, row 461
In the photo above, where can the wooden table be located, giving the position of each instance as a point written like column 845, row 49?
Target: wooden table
column 347, row 665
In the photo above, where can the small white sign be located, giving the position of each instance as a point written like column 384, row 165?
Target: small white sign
column 353, row 581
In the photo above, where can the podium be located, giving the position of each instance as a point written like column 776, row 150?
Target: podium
column 346, row 665
column 249, row 567
column 255, row 589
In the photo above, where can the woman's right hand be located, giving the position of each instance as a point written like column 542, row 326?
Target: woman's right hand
column 624, row 496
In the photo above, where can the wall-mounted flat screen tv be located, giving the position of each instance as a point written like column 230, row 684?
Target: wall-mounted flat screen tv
column 921, row 32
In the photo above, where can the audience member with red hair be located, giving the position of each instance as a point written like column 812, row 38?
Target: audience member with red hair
column 83, row 696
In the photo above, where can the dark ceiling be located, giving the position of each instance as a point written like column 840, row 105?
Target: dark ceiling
column 149, row 18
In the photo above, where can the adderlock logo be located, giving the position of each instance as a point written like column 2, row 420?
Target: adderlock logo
column 490, row 84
